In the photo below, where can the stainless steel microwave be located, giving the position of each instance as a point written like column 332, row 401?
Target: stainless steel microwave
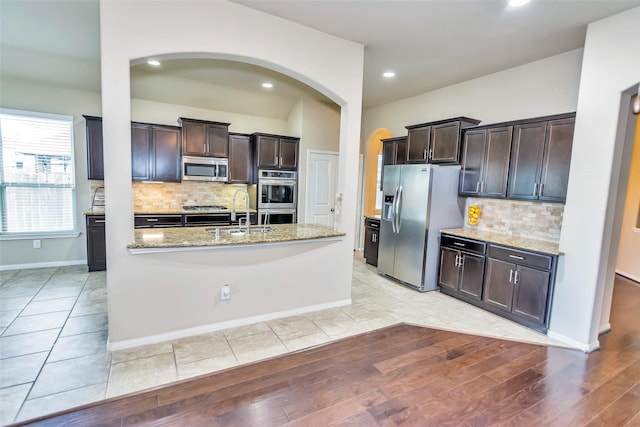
column 205, row 169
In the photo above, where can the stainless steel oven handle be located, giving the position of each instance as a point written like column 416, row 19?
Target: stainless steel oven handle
column 278, row 182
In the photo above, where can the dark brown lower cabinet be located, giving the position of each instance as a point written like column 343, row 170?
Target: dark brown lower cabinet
column 518, row 284
column 461, row 268
column 371, row 240
column 159, row 220
column 96, row 243
column 509, row 282
column 499, row 291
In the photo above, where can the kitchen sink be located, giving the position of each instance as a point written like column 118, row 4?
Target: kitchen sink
column 240, row 231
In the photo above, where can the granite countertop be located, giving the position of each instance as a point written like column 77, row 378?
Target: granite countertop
column 193, row 237
column 376, row 217
column 544, row 246
column 97, row 210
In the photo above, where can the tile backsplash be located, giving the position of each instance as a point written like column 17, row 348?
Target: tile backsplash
column 150, row 197
column 158, row 197
column 535, row 220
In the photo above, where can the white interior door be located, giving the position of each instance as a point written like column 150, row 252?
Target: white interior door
column 322, row 174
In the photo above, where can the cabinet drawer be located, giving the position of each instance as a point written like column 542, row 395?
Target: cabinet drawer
column 206, row 219
column 520, row 257
column 95, row 221
column 372, row 223
column 146, row 221
column 463, row 244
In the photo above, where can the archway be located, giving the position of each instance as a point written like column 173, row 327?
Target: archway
column 372, row 159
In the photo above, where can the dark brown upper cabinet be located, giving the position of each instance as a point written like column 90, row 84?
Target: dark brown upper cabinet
column 394, row 151
column 240, row 158
column 155, row 152
column 540, row 159
column 485, row 161
column 437, row 142
column 275, row 151
column 204, row 138
column 95, row 161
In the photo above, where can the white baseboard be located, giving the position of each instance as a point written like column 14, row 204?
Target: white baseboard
column 183, row 333
column 42, row 265
column 604, row 328
column 628, row 276
column 587, row 348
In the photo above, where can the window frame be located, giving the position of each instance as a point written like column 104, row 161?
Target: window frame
column 26, row 235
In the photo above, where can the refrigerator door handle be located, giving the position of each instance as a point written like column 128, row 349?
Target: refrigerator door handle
column 393, row 208
column 398, row 209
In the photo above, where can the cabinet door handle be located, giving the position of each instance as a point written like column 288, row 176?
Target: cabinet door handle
column 516, row 257
column 540, row 190
column 515, row 278
column 535, row 189
column 455, row 263
column 424, row 154
column 373, row 238
column 431, row 154
column 275, row 159
column 482, row 185
column 510, row 275
column 478, row 187
column 99, row 221
column 152, row 220
column 460, row 244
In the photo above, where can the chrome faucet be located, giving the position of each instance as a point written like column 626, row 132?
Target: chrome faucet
column 233, row 209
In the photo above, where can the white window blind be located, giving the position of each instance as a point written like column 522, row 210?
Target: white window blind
column 37, row 186
column 378, row 183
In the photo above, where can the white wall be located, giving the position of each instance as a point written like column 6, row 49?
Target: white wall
column 150, row 295
column 163, row 113
column 544, row 87
column 610, row 66
column 29, row 96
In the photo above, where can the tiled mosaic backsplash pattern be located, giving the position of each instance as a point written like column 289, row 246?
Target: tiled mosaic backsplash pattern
column 535, row 220
column 148, row 197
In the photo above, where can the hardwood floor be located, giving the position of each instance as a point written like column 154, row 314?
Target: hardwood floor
column 406, row 375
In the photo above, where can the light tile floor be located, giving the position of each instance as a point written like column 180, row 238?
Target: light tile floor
column 53, row 335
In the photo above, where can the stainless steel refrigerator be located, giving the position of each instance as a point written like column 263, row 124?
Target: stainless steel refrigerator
column 417, row 202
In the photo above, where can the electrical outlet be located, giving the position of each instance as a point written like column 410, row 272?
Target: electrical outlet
column 225, row 292
column 37, row 244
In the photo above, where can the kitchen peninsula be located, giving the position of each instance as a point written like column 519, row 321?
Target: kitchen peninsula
column 194, row 238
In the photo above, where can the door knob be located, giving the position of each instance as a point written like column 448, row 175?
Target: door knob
column 332, row 210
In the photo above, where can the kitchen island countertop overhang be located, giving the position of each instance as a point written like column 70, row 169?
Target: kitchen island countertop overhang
column 193, row 238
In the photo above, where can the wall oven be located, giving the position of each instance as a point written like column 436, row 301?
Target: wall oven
column 277, row 189
column 277, row 216
column 205, row 169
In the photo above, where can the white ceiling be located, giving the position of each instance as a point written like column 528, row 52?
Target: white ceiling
column 429, row 44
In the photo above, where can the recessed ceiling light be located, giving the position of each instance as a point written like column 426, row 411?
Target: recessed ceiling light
column 516, row 3
column 153, row 62
column 267, row 85
column 388, row 74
